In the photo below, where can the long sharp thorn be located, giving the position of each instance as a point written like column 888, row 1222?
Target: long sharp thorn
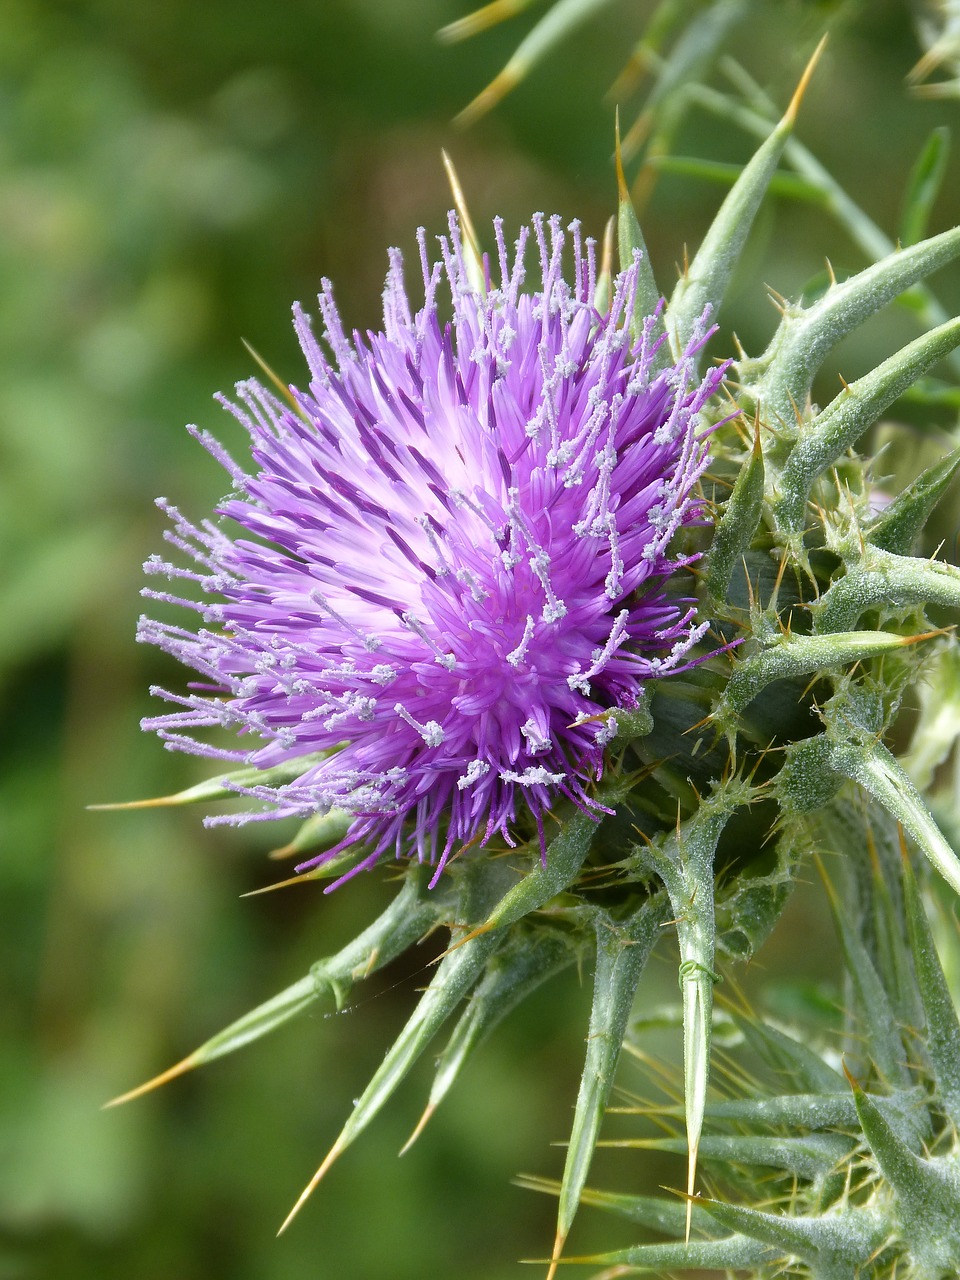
column 419, row 1128
column 335, row 1151
column 171, row 1073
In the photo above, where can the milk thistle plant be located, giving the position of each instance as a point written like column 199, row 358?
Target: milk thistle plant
column 595, row 644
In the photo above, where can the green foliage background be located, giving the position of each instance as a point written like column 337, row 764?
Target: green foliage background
column 172, row 176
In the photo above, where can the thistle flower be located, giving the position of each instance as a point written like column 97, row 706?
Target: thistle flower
column 454, row 559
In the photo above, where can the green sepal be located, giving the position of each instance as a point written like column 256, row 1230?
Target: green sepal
column 515, row 972
column 560, row 20
column 411, row 915
column 734, row 1253
column 481, row 883
column 881, row 775
column 807, row 334
column 683, row 859
column 938, row 724
column 789, row 656
column 864, row 232
column 566, row 854
column 319, row 832
column 632, row 248
column 704, row 284
column 796, row 1110
column 227, row 786
column 785, row 1054
column 942, row 1040
column 897, row 528
column 813, row 1157
column 833, row 1246
column 666, row 1216
column 632, row 724
column 927, row 1191
column 885, row 581
column 923, row 185
column 837, row 427
column 623, row 947
column 884, row 1045
column 737, row 524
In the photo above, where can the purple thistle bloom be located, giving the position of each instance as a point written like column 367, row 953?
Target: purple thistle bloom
column 459, row 562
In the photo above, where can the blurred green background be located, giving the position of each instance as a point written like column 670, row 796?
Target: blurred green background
column 172, row 177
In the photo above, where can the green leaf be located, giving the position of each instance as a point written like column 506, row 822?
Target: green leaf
column 632, row 248
column 225, row 786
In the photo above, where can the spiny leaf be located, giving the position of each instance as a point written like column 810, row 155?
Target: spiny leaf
column 411, row 915
column 807, row 334
column 524, row 964
column 846, row 418
column 455, row 975
column 705, row 282
column 563, row 18
column 622, row 951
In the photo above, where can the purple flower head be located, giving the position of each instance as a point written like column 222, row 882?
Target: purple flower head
column 453, row 555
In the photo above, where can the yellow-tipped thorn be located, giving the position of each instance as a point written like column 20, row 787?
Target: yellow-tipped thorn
column 336, row 1150
column 790, row 114
column 420, row 1126
column 691, row 1184
column 155, row 803
column 274, row 377
column 467, row 937
column 481, row 19
column 280, row 884
column 559, row 1242
column 487, row 98
column 178, row 1069
column 622, row 189
column 285, row 851
column 460, row 204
